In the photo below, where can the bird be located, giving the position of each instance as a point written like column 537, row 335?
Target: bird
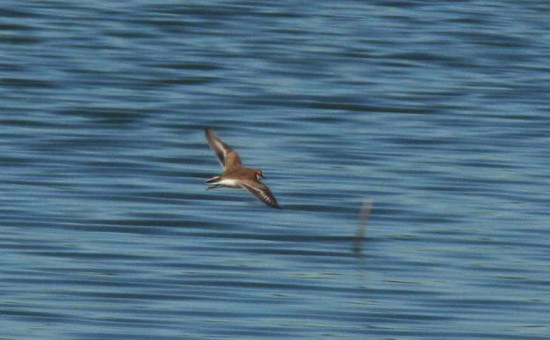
column 235, row 174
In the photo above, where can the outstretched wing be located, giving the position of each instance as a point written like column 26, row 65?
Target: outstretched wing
column 261, row 192
column 228, row 157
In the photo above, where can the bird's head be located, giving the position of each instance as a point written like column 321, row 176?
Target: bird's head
column 259, row 174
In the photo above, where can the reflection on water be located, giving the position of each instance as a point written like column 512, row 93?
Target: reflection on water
column 435, row 112
column 362, row 227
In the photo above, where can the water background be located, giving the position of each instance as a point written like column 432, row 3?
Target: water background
column 437, row 112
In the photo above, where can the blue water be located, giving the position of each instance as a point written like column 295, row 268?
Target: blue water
column 438, row 113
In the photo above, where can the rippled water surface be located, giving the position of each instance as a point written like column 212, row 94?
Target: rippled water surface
column 437, row 112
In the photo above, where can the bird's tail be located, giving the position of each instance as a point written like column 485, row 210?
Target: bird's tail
column 213, row 179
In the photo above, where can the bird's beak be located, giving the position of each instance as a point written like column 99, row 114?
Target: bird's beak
column 262, row 175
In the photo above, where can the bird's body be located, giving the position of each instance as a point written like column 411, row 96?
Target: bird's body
column 235, row 174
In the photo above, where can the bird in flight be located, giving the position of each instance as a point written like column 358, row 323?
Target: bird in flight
column 235, row 174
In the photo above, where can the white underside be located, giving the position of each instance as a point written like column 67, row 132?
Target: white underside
column 228, row 182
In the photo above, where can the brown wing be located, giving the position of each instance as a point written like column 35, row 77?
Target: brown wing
column 261, row 192
column 228, row 157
